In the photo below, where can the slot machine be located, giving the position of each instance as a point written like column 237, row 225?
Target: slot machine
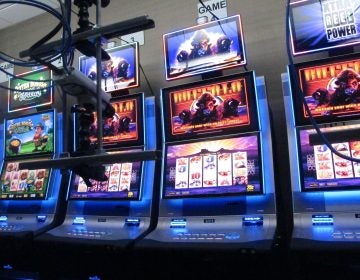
column 216, row 143
column 214, row 194
column 322, row 112
column 115, row 211
column 30, row 199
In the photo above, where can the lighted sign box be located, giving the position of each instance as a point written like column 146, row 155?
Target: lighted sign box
column 29, row 90
column 210, row 107
column 126, row 127
column 330, row 87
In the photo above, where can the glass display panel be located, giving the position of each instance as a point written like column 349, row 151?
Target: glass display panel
column 323, row 170
column 23, row 183
column 124, row 183
column 223, row 167
column 30, row 135
column 211, row 107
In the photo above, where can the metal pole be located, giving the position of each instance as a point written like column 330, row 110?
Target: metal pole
column 98, row 80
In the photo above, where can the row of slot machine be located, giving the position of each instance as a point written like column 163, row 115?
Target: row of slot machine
column 214, row 186
column 215, row 143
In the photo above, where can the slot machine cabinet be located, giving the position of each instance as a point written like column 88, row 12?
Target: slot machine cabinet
column 204, row 219
column 104, row 220
column 28, row 212
column 325, row 187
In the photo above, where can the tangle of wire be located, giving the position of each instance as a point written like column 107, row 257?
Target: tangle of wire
column 65, row 52
column 299, row 90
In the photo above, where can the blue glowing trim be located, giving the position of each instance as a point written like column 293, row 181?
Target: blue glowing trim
column 178, row 223
column 253, row 221
column 79, row 221
column 3, row 218
column 256, row 99
column 322, row 220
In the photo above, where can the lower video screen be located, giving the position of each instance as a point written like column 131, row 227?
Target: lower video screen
column 124, row 182
column 23, row 183
column 223, row 167
column 322, row 169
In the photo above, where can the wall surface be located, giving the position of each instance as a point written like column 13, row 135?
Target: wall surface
column 264, row 33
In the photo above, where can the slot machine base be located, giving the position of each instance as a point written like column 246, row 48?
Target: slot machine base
column 220, row 232
column 326, row 231
column 97, row 230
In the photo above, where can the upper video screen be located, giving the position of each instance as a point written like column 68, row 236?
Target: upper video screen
column 324, row 25
column 119, row 73
column 204, row 48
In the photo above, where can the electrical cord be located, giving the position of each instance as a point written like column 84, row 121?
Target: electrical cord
column 65, row 52
column 297, row 86
column 217, row 18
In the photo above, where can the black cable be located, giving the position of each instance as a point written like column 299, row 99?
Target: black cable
column 50, row 57
column 298, row 88
column 214, row 16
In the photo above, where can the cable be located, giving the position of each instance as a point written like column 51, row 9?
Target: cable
column 217, row 18
column 65, row 52
column 214, row 16
column 297, row 86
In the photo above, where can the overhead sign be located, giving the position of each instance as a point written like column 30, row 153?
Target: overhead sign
column 217, row 7
column 133, row 37
column 8, row 67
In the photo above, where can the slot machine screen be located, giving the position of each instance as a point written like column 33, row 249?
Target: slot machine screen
column 213, row 107
column 30, row 90
column 323, row 170
column 323, row 25
column 23, row 183
column 126, row 127
column 124, row 183
column 119, row 73
column 30, row 135
column 330, row 87
column 223, row 167
column 204, row 48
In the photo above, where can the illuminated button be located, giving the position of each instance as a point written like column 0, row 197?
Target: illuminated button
column 232, row 235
